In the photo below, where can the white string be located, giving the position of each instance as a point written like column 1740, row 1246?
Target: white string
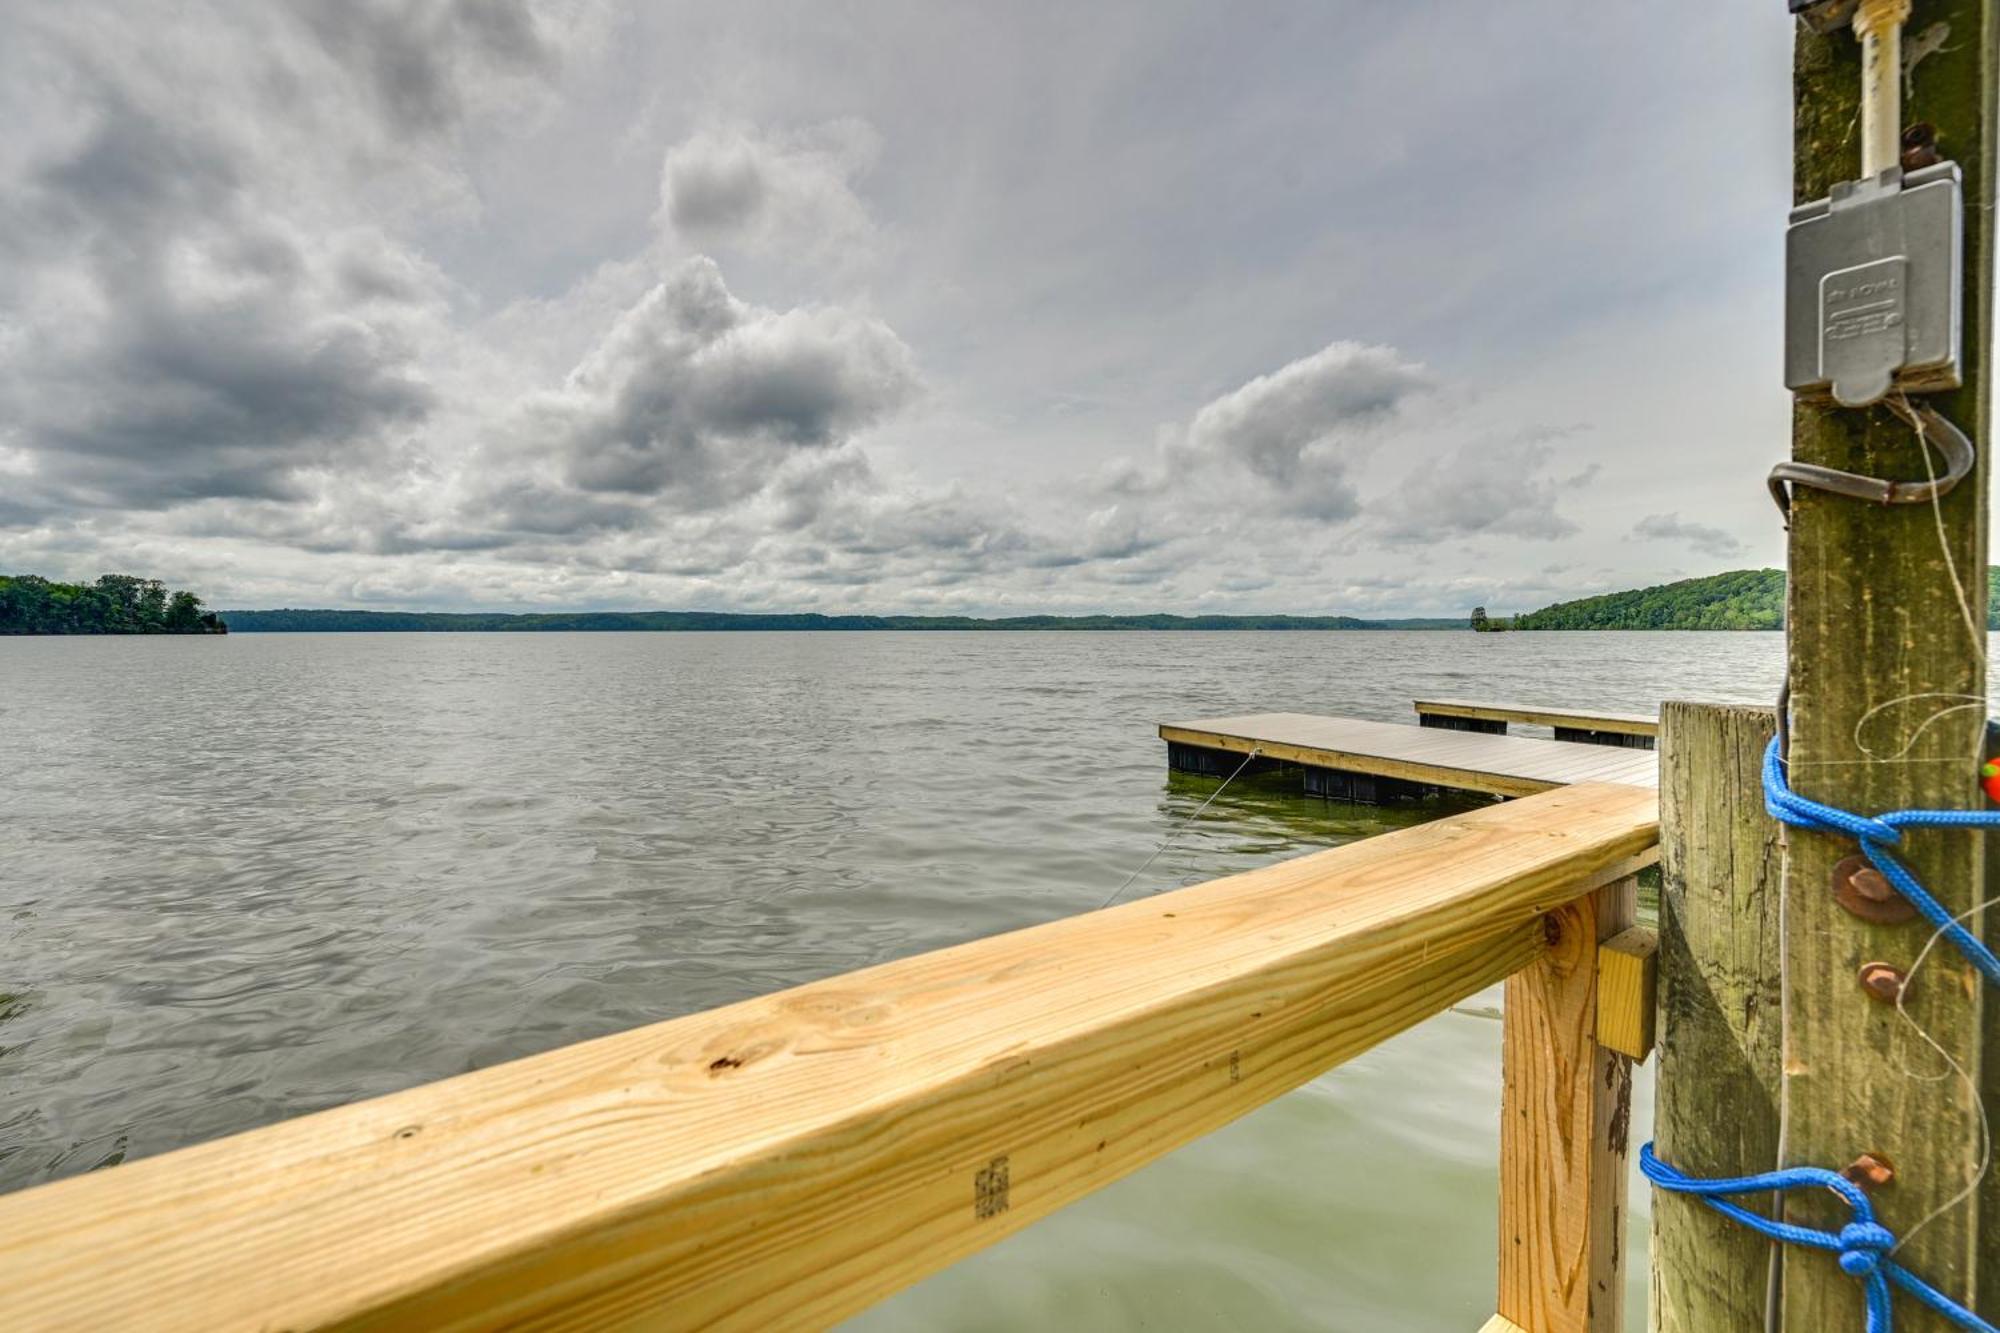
column 1972, row 701
column 1974, row 632
column 1972, row 1084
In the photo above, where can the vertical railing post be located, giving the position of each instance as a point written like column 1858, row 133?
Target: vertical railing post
column 1566, row 1106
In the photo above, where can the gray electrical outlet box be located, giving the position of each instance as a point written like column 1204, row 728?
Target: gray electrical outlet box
column 1873, row 278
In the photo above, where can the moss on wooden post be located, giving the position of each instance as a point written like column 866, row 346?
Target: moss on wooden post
column 1716, row 1113
column 1877, row 616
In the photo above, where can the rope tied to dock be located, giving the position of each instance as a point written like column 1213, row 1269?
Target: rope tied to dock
column 1877, row 834
column 1863, row 1245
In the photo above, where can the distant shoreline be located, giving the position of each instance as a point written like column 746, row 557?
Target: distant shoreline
column 449, row 622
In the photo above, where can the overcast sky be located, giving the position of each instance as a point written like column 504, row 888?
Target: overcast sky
column 1373, row 306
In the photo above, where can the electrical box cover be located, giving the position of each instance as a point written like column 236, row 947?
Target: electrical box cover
column 1873, row 277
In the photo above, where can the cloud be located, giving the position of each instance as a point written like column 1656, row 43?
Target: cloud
column 1282, row 444
column 1699, row 536
column 790, row 192
column 179, row 341
column 1480, row 490
column 417, row 62
column 694, row 396
column 200, row 294
column 1279, row 423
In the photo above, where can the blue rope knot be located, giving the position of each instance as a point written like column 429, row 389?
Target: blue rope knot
column 1864, row 1246
column 1877, row 834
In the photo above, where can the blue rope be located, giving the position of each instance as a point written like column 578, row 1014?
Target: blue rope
column 1876, row 836
column 1864, row 1245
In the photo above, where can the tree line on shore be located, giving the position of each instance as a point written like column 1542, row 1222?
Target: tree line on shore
column 1743, row 599
column 115, row 604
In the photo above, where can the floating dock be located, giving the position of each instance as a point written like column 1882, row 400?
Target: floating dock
column 1636, row 730
column 1350, row 759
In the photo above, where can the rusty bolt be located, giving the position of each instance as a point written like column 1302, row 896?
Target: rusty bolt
column 1882, row 981
column 1871, row 1171
column 1861, row 889
column 1920, row 146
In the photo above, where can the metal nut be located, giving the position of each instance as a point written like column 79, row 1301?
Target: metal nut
column 1919, row 148
column 1882, row 981
column 1861, row 889
column 1871, row 1171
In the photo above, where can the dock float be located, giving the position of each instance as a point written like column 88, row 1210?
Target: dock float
column 1355, row 760
column 1635, row 730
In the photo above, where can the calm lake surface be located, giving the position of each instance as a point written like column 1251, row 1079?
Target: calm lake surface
column 246, row 878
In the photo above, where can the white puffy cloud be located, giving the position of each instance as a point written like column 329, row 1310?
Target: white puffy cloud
column 1271, row 423
column 694, row 394
column 693, row 405
column 1284, row 443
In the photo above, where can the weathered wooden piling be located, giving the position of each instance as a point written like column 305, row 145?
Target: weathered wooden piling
column 1716, row 1113
column 1887, row 648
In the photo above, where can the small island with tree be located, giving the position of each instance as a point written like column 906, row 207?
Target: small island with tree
column 115, row 604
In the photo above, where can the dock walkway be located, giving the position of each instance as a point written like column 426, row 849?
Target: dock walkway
column 1360, row 760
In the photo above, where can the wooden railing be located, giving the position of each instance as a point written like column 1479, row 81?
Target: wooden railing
column 786, row 1161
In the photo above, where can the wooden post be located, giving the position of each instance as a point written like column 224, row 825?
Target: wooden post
column 1565, row 1116
column 1888, row 604
column 1716, row 1112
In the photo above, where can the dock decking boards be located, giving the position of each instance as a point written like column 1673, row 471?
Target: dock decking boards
column 1634, row 730
column 1406, row 757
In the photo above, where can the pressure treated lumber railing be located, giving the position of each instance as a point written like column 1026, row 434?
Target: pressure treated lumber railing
column 788, row 1160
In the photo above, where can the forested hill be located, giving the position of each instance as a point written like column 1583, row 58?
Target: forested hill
column 115, row 604
column 323, row 621
column 1743, row 599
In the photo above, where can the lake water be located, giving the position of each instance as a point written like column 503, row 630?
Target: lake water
column 246, row 878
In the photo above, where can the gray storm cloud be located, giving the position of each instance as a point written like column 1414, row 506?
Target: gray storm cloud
column 192, row 308
column 180, row 341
